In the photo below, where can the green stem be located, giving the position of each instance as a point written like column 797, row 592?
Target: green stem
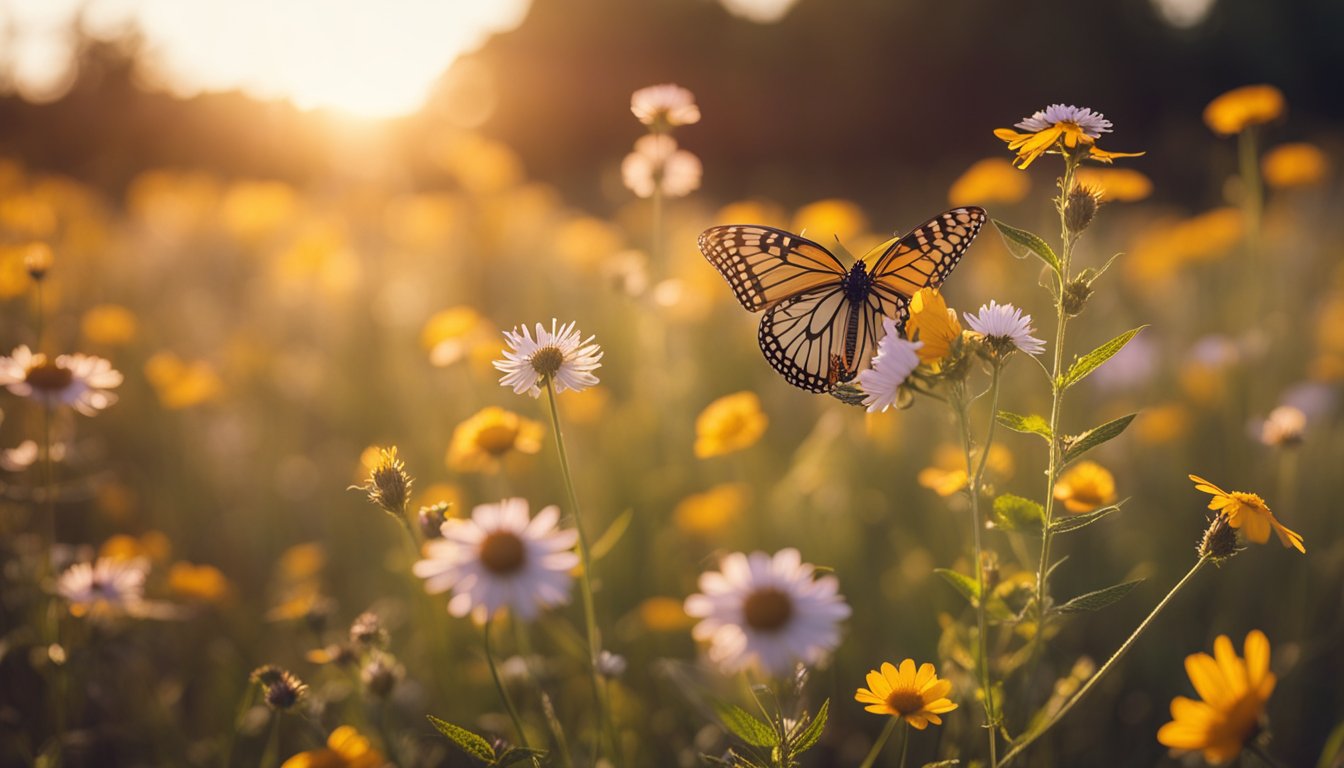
column 381, row 721
column 905, row 743
column 585, row 578
column 499, row 685
column 881, row 742
column 1030, row 737
column 656, row 246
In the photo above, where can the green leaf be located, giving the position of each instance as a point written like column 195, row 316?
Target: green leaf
column 745, row 726
column 1074, row 522
column 467, row 741
column 1012, row 513
column 515, row 755
column 607, row 541
column 812, row 733
column 967, row 586
column 1332, row 754
column 942, row 764
column 1031, row 425
column 1093, row 360
column 1095, row 601
column 1022, row 243
column 1078, row 445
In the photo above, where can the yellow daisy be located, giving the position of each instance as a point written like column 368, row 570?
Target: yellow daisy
column 916, row 696
column 934, row 324
column 1060, row 129
column 1085, row 487
column 1249, row 513
column 1241, row 108
column 346, row 748
column 482, row 441
column 731, row 423
column 1233, row 692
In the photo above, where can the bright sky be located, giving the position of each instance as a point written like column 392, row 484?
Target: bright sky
column 375, row 59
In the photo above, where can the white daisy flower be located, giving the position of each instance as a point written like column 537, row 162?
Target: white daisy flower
column 1284, row 426
column 104, row 588
column 895, row 360
column 82, row 382
column 560, row 354
column 26, row 454
column 767, row 611
column 1006, row 328
column 1091, row 123
column 658, row 165
column 501, row 558
column 666, row 105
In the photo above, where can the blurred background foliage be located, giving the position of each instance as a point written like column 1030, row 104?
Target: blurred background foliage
column 287, row 288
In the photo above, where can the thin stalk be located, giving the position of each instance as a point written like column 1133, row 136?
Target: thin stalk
column 585, row 577
column 656, row 243
column 1030, row 737
column 905, row 743
column 1254, row 281
column 386, row 735
column 881, row 742
column 504, row 692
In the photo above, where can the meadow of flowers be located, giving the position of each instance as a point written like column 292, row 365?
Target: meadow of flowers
column 455, row 474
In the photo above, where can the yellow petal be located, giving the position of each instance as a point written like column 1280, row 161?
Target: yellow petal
column 907, row 676
column 1230, row 665
column 917, row 722
column 1257, row 656
column 1288, row 537
column 877, row 709
column 1208, row 680
column 1181, row 735
column 865, row 696
column 925, row 674
column 1204, row 485
column 940, row 706
column 935, row 689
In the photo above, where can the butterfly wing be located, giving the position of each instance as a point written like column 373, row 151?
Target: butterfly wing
column 804, row 337
column 766, row 266
column 924, row 257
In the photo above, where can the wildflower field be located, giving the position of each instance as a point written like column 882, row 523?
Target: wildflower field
column 1040, row 467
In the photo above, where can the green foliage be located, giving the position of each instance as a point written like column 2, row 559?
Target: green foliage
column 1096, row 600
column 466, row 741
column 1074, row 522
column 746, row 726
column 772, row 744
column 1093, row 360
column 811, row 733
column 610, row 537
column 1076, row 446
column 1013, row 513
column 1031, row 425
column 1022, row 243
column 968, row 587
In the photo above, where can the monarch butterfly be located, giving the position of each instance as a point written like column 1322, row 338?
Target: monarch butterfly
column 822, row 321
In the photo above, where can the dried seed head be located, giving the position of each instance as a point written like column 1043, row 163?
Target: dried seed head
column 367, row 631
column 1080, row 207
column 1219, row 541
column 281, row 689
column 389, row 484
column 381, row 675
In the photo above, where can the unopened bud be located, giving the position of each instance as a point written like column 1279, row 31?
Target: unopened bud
column 37, row 258
column 1080, row 207
column 1076, row 295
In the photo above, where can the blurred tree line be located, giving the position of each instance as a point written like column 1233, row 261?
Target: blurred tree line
column 871, row 99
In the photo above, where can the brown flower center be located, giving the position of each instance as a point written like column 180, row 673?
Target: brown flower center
column 905, row 702
column 547, row 361
column 767, row 609
column 49, row 376
column 503, row 553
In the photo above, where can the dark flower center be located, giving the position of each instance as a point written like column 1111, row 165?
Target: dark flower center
column 767, row 609
column 905, row 702
column 547, row 361
column 503, row 553
column 49, row 376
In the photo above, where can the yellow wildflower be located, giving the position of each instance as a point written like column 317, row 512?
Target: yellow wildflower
column 917, row 696
column 1085, row 487
column 1233, row 690
column 992, row 180
column 204, row 583
column 110, row 324
column 1249, row 513
column 1241, row 108
column 482, row 441
column 664, row 614
column 713, row 510
column 181, row 384
column 1122, row 185
column 448, row 334
column 346, row 748
column 1294, row 165
column 729, row 424
column 825, row 220
column 947, row 474
column 934, row 324
column 1060, row 129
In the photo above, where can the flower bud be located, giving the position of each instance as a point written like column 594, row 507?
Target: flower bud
column 1080, row 206
column 1219, row 541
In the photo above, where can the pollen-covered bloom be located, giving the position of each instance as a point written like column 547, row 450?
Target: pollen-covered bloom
column 501, row 557
column 1060, row 128
column 1233, row 692
column 1005, row 328
column 560, row 355
column 768, row 611
column 104, row 588
column 83, row 382
column 664, row 106
column 935, row 325
column 1248, row 513
column 659, row 165
column 896, row 359
column 916, row 695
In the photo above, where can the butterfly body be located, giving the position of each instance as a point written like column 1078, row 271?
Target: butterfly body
column 822, row 320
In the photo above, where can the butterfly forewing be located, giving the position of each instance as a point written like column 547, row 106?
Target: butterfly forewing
column 923, row 258
column 765, row 265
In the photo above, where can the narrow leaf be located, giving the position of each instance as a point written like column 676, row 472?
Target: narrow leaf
column 967, row 586
column 745, row 726
column 1095, row 601
column 1021, row 243
column 1080, row 444
column 1074, row 522
column 812, row 733
column 1093, row 360
column 607, row 541
column 1012, row 513
column 465, row 740
column 942, row 764
column 1031, row 425
column 517, row 755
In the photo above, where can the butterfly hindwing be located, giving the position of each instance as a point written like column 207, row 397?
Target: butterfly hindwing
column 766, row 266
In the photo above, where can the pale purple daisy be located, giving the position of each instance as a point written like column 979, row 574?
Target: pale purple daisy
column 1005, row 328
column 83, row 382
column 1091, row 123
column 560, row 355
column 895, row 360
column 768, row 611
column 667, row 105
column 501, row 557
column 105, row 588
